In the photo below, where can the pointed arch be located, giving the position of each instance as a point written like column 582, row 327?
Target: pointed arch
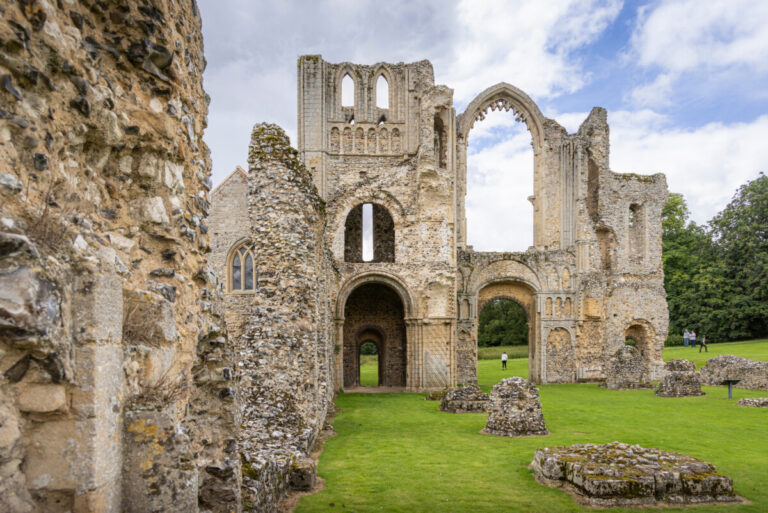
column 382, row 92
column 347, row 91
column 242, row 276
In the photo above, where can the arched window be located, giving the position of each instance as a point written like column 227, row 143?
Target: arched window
column 369, row 234
column 382, row 93
column 242, row 275
column 347, row 91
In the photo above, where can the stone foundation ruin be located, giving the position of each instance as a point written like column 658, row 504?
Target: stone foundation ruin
column 754, row 402
column 466, row 399
column 515, row 409
column 752, row 374
column 627, row 370
column 680, row 380
column 619, row 474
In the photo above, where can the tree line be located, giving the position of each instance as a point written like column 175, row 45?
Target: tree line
column 716, row 274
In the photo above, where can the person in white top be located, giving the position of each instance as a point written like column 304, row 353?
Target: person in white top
column 504, row 358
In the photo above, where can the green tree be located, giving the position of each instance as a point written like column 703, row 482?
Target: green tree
column 502, row 322
column 740, row 233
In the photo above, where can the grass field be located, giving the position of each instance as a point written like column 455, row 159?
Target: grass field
column 397, row 452
column 494, row 353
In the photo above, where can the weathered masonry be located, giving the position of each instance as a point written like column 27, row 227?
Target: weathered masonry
column 592, row 278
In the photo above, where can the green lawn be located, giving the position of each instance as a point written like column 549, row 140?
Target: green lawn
column 494, row 353
column 397, row 452
column 752, row 349
column 369, row 370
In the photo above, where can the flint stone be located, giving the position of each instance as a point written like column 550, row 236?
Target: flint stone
column 619, row 474
column 466, row 399
column 28, row 306
column 515, row 409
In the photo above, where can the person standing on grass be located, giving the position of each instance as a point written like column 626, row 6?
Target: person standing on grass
column 703, row 344
column 504, row 359
column 693, row 339
column 686, row 336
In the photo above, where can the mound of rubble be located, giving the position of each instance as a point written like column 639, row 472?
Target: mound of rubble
column 619, row 474
column 515, row 409
column 755, row 402
column 680, row 380
column 465, row 399
column 627, row 370
column 752, row 374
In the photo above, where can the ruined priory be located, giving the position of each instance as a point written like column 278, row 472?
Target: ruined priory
column 169, row 347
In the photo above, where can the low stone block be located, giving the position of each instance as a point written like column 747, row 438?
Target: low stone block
column 303, row 473
column 515, row 409
column 752, row 374
column 680, row 380
column 42, row 398
column 755, row 402
column 619, row 474
column 627, row 370
column 466, row 399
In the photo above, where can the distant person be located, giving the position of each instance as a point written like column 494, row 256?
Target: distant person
column 686, row 337
column 504, row 359
column 693, row 339
column 703, row 344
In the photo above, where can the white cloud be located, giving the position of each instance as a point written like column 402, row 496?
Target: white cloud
column 499, row 181
column 690, row 37
column 705, row 164
column 527, row 42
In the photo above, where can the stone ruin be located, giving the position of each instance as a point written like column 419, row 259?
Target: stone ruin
column 627, row 370
column 680, row 380
column 465, row 399
column 117, row 376
column 132, row 379
column 619, row 474
column 515, row 409
column 752, row 374
column 755, row 402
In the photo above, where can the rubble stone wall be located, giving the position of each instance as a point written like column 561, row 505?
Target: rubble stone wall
column 116, row 378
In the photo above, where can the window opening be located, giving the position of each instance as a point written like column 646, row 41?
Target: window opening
column 248, row 274
column 499, row 213
column 347, row 91
column 236, row 273
column 367, row 232
column 382, row 93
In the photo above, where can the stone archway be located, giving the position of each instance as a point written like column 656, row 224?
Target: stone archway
column 380, row 302
column 524, row 295
column 642, row 333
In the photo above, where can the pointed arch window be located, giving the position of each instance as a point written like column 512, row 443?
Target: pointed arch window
column 242, row 272
column 382, row 92
column 347, row 91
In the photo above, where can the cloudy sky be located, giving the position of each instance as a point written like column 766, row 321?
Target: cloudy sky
column 685, row 83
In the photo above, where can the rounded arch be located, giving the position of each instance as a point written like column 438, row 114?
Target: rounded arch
column 508, row 97
column 642, row 332
column 394, row 282
column 503, row 270
column 241, row 249
column 340, row 208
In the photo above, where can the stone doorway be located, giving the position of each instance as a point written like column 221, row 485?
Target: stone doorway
column 375, row 312
column 524, row 295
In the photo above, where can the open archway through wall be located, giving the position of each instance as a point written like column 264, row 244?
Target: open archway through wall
column 498, row 169
column 374, row 307
column 524, row 295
